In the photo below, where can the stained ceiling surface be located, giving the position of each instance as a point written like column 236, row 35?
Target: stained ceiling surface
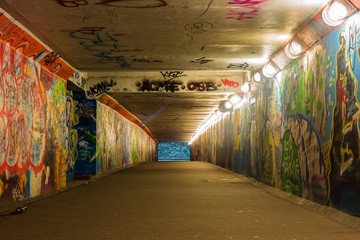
column 159, row 35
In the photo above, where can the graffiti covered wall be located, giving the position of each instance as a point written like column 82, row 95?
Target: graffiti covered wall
column 302, row 133
column 85, row 163
column 121, row 143
column 33, row 130
column 215, row 145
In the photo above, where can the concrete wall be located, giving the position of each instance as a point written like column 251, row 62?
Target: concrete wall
column 302, row 134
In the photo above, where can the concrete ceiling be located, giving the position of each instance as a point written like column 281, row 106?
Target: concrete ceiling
column 171, row 117
column 158, row 35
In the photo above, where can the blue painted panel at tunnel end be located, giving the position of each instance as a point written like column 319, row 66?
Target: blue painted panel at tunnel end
column 174, row 151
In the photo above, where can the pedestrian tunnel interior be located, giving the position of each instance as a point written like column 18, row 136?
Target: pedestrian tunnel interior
column 267, row 89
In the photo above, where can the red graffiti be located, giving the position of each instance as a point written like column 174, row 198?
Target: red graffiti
column 247, row 3
column 72, row 3
column 22, row 113
column 30, row 47
column 246, row 9
column 230, row 83
column 87, row 113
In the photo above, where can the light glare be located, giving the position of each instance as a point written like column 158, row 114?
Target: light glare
column 269, row 70
column 257, row 77
column 228, row 105
column 246, row 87
column 336, row 12
column 235, row 99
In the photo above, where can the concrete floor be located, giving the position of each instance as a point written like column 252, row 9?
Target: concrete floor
column 170, row 200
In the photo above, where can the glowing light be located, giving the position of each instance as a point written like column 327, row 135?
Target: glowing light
column 279, row 77
column 246, row 87
column 235, row 99
column 283, row 37
column 261, row 60
column 293, row 49
column 336, row 12
column 269, row 70
column 228, row 105
column 212, row 119
column 257, row 77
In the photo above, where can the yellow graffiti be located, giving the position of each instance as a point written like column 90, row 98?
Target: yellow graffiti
column 60, row 166
column 1, row 188
column 22, row 180
column 269, row 171
column 345, row 151
column 344, row 164
column 326, row 147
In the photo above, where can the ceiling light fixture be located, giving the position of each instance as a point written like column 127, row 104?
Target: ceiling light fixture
column 257, row 77
column 246, row 87
column 269, row 70
column 235, row 99
column 228, row 105
column 212, row 119
column 336, row 12
column 294, row 48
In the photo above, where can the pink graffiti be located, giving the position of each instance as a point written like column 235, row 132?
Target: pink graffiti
column 72, row 3
column 246, row 9
column 230, row 83
column 22, row 113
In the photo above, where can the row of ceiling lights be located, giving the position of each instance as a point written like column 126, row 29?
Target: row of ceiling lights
column 236, row 101
column 335, row 12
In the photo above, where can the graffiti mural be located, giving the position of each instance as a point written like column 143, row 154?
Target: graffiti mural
column 343, row 145
column 102, row 45
column 31, row 48
column 304, row 125
column 244, row 9
column 72, row 122
column 119, row 142
column 84, row 163
column 33, row 135
column 242, row 141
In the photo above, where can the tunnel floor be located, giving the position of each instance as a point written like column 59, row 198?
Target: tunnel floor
column 170, row 200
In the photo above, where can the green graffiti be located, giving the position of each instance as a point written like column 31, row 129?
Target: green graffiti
column 85, row 154
column 58, row 91
column 328, row 63
column 91, row 138
column 291, row 181
column 321, row 82
column 319, row 106
column 319, row 60
column 134, row 152
column 299, row 100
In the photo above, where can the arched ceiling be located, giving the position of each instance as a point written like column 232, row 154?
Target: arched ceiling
column 155, row 36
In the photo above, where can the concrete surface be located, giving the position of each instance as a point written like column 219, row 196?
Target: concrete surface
column 170, row 200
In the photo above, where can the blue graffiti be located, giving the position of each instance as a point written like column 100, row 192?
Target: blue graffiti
column 102, row 43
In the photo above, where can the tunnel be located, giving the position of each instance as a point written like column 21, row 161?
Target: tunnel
column 164, row 119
